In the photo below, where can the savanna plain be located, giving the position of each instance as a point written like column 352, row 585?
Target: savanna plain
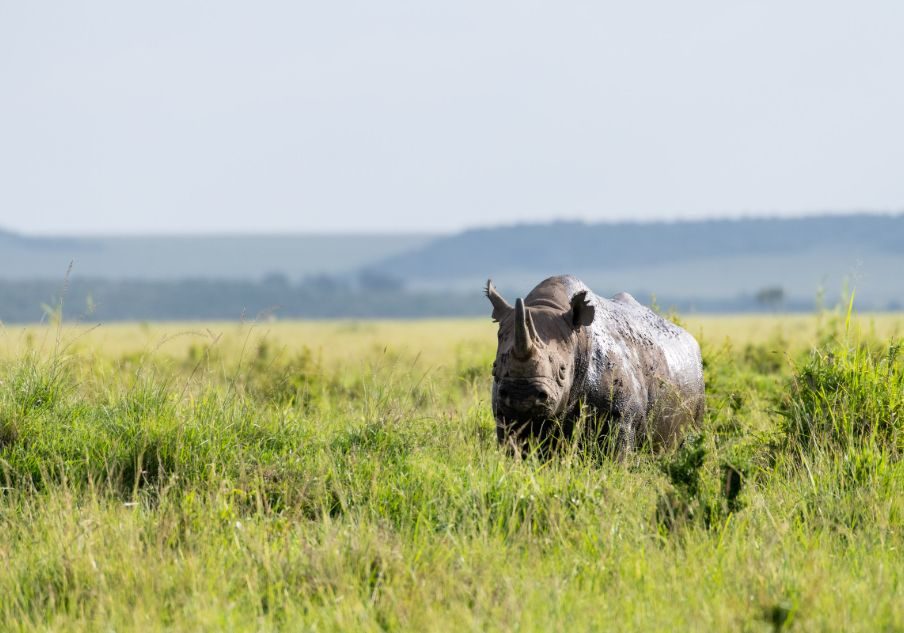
column 346, row 476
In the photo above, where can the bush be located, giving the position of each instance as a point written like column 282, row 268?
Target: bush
column 847, row 395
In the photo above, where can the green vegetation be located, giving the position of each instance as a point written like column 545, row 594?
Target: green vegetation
column 345, row 476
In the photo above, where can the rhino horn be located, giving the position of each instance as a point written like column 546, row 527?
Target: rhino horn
column 524, row 344
column 500, row 305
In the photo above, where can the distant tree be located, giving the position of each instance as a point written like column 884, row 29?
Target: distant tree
column 374, row 281
column 275, row 280
column 771, row 297
column 324, row 284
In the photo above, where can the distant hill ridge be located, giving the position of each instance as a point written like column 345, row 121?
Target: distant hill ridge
column 176, row 257
column 562, row 246
column 707, row 265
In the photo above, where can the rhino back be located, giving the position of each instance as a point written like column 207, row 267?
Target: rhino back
column 644, row 367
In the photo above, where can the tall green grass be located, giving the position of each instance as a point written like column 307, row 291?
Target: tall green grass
column 267, row 490
column 848, row 394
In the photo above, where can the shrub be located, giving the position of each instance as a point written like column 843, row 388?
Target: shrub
column 847, row 395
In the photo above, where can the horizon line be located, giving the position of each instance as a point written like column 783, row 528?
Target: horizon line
column 415, row 233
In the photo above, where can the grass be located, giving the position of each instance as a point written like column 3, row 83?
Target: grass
column 336, row 476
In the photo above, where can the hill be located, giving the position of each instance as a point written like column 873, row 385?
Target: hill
column 708, row 260
column 702, row 266
column 233, row 257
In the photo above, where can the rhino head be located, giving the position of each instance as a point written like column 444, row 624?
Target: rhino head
column 534, row 371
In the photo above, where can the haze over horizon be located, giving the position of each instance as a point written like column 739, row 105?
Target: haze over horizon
column 200, row 118
column 213, row 232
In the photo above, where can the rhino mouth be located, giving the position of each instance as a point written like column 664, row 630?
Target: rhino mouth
column 524, row 399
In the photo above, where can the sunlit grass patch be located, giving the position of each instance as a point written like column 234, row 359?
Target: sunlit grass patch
column 347, row 477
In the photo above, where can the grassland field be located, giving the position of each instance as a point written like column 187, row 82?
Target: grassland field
column 337, row 476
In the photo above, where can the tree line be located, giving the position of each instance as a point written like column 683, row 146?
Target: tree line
column 321, row 297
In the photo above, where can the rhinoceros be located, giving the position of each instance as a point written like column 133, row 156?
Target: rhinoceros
column 564, row 351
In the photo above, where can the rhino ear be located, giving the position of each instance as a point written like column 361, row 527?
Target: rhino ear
column 582, row 311
column 500, row 305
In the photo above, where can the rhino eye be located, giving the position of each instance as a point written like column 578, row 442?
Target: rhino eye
column 562, row 371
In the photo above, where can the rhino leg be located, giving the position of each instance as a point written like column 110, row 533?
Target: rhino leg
column 631, row 428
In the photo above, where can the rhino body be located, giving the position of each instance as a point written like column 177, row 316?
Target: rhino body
column 563, row 348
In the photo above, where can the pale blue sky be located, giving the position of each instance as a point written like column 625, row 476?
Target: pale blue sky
column 223, row 116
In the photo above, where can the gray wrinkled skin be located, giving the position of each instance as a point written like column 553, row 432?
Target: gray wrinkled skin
column 564, row 347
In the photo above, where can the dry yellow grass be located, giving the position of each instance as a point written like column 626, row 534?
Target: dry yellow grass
column 341, row 340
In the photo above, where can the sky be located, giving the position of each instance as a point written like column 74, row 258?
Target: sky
column 225, row 117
